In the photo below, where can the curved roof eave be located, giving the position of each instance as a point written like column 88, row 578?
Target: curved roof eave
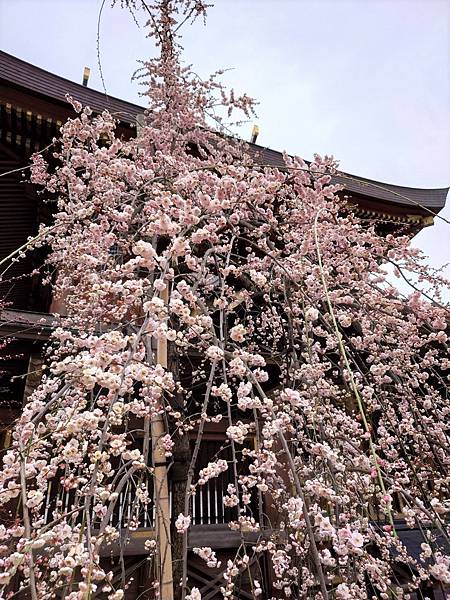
column 430, row 199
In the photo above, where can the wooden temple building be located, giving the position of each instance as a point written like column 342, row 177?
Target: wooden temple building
column 32, row 108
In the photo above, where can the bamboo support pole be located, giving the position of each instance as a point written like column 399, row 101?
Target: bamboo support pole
column 162, row 502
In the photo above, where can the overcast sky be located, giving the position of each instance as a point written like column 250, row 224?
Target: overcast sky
column 365, row 80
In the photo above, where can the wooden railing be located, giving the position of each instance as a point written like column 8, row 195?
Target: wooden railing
column 207, row 507
column 127, row 510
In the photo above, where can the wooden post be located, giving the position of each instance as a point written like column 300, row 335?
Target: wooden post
column 34, row 374
column 162, row 504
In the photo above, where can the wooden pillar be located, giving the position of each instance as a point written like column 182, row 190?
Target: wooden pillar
column 34, row 375
column 161, row 487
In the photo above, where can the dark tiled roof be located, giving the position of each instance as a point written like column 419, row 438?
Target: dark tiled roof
column 40, row 82
column 22, row 74
column 433, row 199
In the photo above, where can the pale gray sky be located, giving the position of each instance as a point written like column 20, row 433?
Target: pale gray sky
column 365, row 80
